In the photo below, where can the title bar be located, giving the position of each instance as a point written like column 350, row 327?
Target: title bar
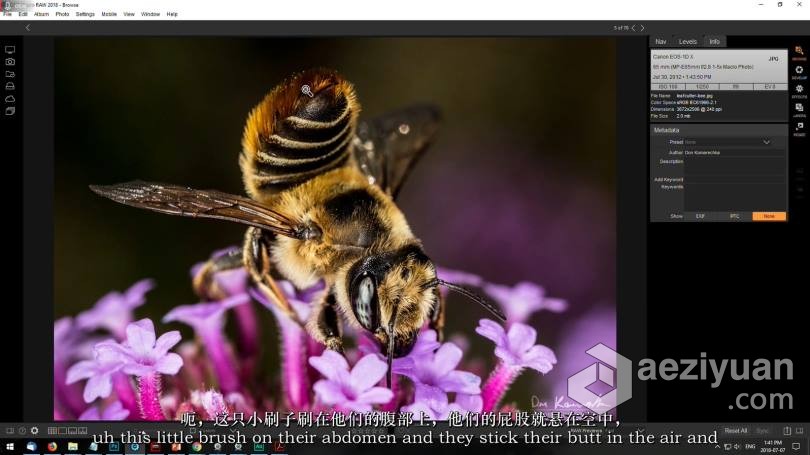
column 236, row 10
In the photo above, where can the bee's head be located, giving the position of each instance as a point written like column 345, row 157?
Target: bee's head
column 392, row 295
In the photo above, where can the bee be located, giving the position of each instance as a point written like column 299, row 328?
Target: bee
column 322, row 189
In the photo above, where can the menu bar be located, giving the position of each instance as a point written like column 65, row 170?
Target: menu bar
column 404, row 10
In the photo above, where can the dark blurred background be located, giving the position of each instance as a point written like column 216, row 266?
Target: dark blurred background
column 519, row 185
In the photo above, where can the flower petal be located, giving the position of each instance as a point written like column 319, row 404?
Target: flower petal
column 488, row 328
column 81, row 370
column 460, row 381
column 134, row 296
column 472, row 403
column 61, row 329
column 233, row 282
column 404, row 366
column 540, row 358
column 233, row 301
column 115, row 411
column 521, row 338
column 431, row 396
column 213, row 403
column 540, row 351
column 368, row 371
column 141, row 336
column 426, row 343
column 376, row 395
column 169, row 364
column 529, row 295
column 166, row 342
column 446, row 359
column 555, row 305
column 91, row 414
column 108, row 350
column 329, row 392
column 541, row 365
column 137, row 369
column 98, row 386
column 329, row 364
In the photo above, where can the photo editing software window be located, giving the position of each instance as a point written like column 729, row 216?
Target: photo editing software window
column 287, row 228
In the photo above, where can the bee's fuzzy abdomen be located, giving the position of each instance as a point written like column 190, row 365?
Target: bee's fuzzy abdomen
column 303, row 128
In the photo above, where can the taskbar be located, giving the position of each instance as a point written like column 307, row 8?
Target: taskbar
column 224, row 438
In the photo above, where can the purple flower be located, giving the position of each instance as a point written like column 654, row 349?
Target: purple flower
column 141, row 354
column 517, row 348
column 301, row 301
column 69, row 345
column 294, row 344
column 115, row 411
column 433, row 403
column 519, row 302
column 353, row 390
column 64, row 338
column 98, row 373
column 517, row 351
column 208, row 319
column 206, row 316
column 427, row 368
column 228, row 283
column 232, row 282
column 211, row 401
column 113, row 312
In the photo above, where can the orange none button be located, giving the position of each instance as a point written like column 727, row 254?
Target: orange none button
column 769, row 216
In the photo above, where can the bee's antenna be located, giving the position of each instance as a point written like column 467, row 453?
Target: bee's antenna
column 472, row 296
column 391, row 325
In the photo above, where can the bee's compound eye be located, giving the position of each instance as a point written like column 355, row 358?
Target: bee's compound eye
column 365, row 303
column 366, row 291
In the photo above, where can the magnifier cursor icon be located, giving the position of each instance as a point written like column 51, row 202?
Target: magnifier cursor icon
column 306, row 90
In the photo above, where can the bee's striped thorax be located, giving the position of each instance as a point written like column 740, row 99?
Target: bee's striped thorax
column 356, row 218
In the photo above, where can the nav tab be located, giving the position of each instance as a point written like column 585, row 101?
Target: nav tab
column 661, row 41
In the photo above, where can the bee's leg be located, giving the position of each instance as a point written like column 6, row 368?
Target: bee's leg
column 324, row 325
column 203, row 282
column 256, row 257
column 437, row 316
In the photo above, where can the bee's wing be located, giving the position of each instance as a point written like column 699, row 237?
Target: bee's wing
column 387, row 147
column 183, row 201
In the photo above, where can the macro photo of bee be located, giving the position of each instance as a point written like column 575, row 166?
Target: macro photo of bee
column 395, row 225
column 322, row 187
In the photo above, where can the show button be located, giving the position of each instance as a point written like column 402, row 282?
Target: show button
column 769, row 216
